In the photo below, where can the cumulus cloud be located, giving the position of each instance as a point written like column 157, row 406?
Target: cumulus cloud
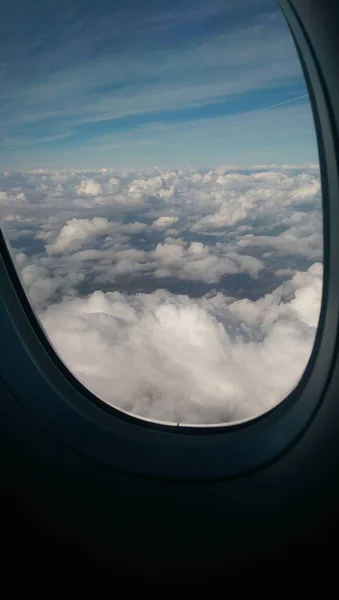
column 135, row 227
column 88, row 187
column 76, row 232
column 178, row 259
column 273, row 195
column 238, row 250
column 293, row 241
column 164, row 222
column 225, row 217
column 42, row 286
column 6, row 198
column 172, row 358
column 196, row 261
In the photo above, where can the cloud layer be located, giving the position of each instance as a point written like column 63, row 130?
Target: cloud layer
column 172, row 358
column 180, row 295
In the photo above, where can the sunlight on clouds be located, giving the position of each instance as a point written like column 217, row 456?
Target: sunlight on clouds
column 76, row 232
column 187, row 364
column 164, row 222
column 183, row 292
column 196, row 306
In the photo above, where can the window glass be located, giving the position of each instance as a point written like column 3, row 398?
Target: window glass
column 160, row 191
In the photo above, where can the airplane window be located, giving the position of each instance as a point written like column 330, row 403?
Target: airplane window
column 160, row 192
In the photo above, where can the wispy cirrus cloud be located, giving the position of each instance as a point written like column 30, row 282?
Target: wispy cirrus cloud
column 77, row 77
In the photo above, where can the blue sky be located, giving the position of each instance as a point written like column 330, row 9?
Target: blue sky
column 134, row 84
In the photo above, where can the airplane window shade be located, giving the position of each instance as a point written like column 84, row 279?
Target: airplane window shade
column 186, row 293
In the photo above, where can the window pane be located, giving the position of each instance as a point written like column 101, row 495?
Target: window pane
column 162, row 198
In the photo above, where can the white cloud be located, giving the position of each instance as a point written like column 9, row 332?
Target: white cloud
column 88, row 187
column 13, row 198
column 308, row 295
column 202, row 359
column 199, row 262
column 76, row 232
column 21, row 259
column 290, row 242
column 269, row 194
column 164, row 222
column 185, row 261
column 172, row 358
column 135, row 227
column 225, row 217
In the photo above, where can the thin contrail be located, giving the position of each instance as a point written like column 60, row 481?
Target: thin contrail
column 279, row 104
